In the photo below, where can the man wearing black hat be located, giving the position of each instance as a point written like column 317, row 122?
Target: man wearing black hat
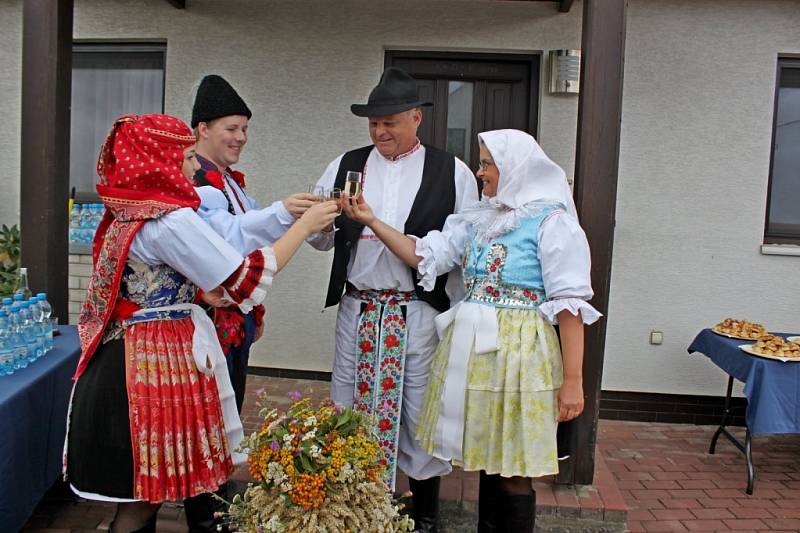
column 385, row 333
column 220, row 119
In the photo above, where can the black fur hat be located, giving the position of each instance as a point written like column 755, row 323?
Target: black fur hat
column 216, row 98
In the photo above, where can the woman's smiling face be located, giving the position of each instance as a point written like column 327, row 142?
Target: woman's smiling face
column 488, row 172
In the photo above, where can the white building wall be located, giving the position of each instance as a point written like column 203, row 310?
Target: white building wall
column 697, row 121
column 299, row 66
column 694, row 166
column 10, row 106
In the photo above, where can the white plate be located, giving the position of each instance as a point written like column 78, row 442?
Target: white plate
column 748, row 348
column 796, row 338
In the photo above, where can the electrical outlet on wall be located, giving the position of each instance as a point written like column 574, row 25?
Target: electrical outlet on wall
column 656, row 337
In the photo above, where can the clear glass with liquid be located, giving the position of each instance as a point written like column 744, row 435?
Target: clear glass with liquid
column 352, row 184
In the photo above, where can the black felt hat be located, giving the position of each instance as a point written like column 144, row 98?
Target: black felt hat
column 395, row 93
column 216, row 98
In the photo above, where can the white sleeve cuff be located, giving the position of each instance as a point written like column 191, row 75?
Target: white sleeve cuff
column 259, row 293
column 324, row 240
column 283, row 215
column 427, row 267
column 551, row 308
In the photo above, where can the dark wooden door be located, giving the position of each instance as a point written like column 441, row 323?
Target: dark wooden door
column 472, row 93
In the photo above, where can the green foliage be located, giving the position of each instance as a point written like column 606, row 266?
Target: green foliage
column 9, row 259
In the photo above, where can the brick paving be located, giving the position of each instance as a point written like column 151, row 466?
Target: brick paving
column 671, row 483
column 658, row 476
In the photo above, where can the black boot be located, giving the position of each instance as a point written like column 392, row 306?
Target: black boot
column 150, row 527
column 425, row 504
column 519, row 512
column 489, row 499
column 200, row 510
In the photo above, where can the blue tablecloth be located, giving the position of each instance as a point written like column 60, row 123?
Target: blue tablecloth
column 33, row 415
column 772, row 387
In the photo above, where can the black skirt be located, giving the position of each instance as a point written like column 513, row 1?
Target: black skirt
column 99, row 453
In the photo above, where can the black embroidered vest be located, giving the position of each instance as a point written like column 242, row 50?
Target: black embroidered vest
column 435, row 200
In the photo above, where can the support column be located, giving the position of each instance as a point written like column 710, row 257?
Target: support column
column 44, row 169
column 596, row 164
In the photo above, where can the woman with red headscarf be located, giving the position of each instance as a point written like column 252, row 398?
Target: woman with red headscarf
column 153, row 417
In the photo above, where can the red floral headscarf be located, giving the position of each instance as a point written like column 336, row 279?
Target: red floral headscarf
column 140, row 173
column 140, row 170
column 143, row 155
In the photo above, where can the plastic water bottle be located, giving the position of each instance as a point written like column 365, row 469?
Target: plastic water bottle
column 90, row 225
column 37, row 317
column 6, row 349
column 47, row 309
column 87, row 229
column 47, row 328
column 83, row 222
column 35, row 309
column 7, row 305
column 41, row 331
column 101, row 211
column 97, row 216
column 28, row 331
column 33, row 333
column 17, row 336
column 22, row 287
column 90, row 219
column 75, row 224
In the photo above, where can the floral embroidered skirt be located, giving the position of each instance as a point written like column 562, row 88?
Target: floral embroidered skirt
column 145, row 424
column 511, row 400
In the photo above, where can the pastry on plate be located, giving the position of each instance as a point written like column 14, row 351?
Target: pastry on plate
column 743, row 329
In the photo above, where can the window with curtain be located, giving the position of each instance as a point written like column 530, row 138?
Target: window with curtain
column 109, row 80
column 783, row 208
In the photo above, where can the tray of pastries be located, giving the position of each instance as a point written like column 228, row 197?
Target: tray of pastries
column 773, row 347
column 739, row 329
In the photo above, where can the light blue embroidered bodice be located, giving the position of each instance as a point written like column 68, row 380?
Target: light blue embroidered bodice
column 507, row 272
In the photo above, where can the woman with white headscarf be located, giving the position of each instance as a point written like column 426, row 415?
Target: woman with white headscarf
column 499, row 383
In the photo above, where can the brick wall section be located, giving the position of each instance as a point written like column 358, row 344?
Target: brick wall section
column 80, row 268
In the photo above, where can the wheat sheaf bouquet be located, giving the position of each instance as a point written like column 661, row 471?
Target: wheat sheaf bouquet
column 316, row 470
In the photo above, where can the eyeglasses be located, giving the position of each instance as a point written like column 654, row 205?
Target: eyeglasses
column 483, row 165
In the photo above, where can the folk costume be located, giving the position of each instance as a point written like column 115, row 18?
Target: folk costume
column 237, row 217
column 492, row 397
column 153, row 416
column 385, row 336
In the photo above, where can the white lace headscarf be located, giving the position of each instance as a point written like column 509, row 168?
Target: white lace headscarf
column 529, row 180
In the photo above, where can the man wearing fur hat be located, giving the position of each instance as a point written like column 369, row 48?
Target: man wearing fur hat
column 220, row 120
column 385, row 333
